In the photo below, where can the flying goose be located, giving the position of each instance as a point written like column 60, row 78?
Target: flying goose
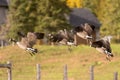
column 85, row 32
column 62, row 37
column 103, row 46
column 27, row 42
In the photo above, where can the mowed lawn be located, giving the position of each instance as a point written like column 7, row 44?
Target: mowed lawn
column 52, row 60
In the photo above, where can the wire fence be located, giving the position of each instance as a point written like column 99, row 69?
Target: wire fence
column 40, row 75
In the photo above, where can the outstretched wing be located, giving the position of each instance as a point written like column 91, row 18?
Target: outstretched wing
column 20, row 34
column 107, row 46
column 24, row 42
column 88, row 28
column 39, row 35
column 32, row 38
column 78, row 29
column 98, row 44
column 102, row 44
column 63, row 33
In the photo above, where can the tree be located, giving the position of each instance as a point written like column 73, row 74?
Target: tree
column 108, row 13
column 37, row 15
column 22, row 16
column 51, row 15
column 93, row 5
column 109, row 16
column 74, row 3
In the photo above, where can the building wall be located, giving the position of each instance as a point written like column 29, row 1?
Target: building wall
column 3, row 20
column 3, row 14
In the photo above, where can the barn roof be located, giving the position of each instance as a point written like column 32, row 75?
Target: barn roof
column 4, row 3
column 80, row 16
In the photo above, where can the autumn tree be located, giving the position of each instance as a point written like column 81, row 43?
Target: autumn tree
column 74, row 3
column 110, row 18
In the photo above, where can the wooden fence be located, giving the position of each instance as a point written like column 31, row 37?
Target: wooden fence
column 38, row 71
column 9, row 66
column 65, row 74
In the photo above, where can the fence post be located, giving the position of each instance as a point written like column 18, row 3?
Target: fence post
column 116, row 76
column 38, row 71
column 2, row 43
column 92, row 72
column 9, row 70
column 65, row 73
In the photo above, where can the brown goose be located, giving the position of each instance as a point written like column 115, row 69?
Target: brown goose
column 84, row 31
column 103, row 46
column 63, row 37
column 27, row 42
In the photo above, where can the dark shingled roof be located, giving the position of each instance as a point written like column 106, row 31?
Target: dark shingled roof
column 3, row 3
column 80, row 16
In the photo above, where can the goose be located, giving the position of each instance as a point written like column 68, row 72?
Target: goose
column 85, row 31
column 62, row 37
column 55, row 38
column 27, row 42
column 103, row 46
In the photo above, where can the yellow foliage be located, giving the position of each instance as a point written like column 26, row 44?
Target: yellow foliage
column 74, row 3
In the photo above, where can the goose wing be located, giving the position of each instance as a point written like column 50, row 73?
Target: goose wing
column 88, row 28
column 98, row 44
column 70, row 36
column 32, row 38
column 39, row 35
column 20, row 34
column 24, row 43
column 79, row 29
column 63, row 33
column 102, row 44
column 107, row 46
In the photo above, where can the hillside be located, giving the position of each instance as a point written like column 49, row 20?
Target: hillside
column 52, row 60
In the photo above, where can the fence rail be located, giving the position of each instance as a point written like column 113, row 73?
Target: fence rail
column 9, row 66
column 38, row 71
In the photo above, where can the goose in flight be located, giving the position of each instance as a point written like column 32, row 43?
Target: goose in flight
column 103, row 46
column 28, row 41
column 84, row 31
column 62, row 37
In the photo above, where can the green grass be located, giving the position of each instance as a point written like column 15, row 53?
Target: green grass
column 52, row 60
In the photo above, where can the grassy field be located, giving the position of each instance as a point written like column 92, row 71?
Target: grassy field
column 52, row 60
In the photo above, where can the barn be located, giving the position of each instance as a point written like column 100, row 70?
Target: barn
column 3, row 20
column 80, row 16
column 3, row 11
